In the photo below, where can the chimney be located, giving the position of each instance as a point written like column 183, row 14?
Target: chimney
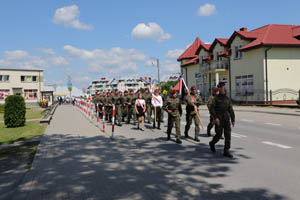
column 243, row 29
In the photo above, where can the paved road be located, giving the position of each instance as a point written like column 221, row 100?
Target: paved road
column 76, row 160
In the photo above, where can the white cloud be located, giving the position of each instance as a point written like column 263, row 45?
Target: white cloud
column 84, row 79
column 207, row 10
column 69, row 17
column 20, row 59
column 46, row 51
column 115, row 60
column 152, row 31
column 174, row 54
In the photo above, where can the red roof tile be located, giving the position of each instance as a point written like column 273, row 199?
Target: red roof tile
column 208, row 58
column 190, row 52
column 190, row 62
column 225, row 53
column 221, row 41
column 272, row 34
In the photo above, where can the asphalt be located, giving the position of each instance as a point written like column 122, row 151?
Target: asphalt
column 76, row 160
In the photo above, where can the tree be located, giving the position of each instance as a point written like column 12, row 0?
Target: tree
column 14, row 111
column 168, row 85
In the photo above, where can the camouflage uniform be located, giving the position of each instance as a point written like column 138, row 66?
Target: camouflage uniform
column 191, row 102
column 221, row 108
column 174, row 105
column 109, row 108
column 211, row 119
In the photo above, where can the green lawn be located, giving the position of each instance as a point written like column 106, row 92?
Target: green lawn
column 10, row 135
column 31, row 113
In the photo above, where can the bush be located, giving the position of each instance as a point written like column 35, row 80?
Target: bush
column 14, row 111
column 2, row 108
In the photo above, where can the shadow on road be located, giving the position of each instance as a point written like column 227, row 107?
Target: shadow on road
column 100, row 168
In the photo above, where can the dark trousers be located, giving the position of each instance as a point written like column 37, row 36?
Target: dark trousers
column 189, row 120
column 210, row 125
column 158, row 116
column 226, row 128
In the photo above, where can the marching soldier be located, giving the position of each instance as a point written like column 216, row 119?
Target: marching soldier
column 222, row 112
column 125, row 106
column 193, row 101
column 109, row 106
column 157, row 104
column 148, row 97
column 211, row 119
column 174, row 109
column 130, row 105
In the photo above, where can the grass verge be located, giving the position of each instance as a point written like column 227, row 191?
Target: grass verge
column 11, row 135
column 31, row 113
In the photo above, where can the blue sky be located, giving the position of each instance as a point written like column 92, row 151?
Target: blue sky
column 89, row 39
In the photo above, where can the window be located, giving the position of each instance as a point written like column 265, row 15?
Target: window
column 22, row 78
column 237, row 53
column 30, row 94
column 4, row 93
column 4, row 78
column 29, row 79
column 34, row 78
column 244, row 85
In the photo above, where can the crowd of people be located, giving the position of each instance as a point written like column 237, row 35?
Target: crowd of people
column 140, row 106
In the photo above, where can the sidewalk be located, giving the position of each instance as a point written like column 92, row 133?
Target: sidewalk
column 268, row 110
column 76, row 160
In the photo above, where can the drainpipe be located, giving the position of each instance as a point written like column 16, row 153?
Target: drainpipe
column 266, row 69
column 229, row 69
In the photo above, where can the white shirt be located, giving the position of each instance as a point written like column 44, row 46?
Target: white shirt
column 157, row 101
column 142, row 102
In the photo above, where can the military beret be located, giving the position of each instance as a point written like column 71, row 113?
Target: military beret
column 216, row 90
column 125, row 91
column 193, row 87
column 221, row 84
column 173, row 92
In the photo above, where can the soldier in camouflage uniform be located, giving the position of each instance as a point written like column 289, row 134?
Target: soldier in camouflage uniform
column 173, row 106
column 148, row 97
column 130, row 105
column 193, row 101
column 125, row 106
column 109, row 106
column 222, row 112
column 115, row 100
column 120, row 103
column 211, row 119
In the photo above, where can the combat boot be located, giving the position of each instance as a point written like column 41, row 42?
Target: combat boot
column 227, row 154
column 212, row 147
column 169, row 136
column 178, row 141
column 186, row 134
column 197, row 139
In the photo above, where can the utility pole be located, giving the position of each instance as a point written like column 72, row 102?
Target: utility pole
column 158, row 75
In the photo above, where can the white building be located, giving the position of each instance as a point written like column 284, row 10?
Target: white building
column 28, row 83
column 121, row 84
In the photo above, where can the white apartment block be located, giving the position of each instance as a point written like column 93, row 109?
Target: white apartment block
column 121, row 84
column 27, row 83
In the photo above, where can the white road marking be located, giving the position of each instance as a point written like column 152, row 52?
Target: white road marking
column 273, row 124
column 247, row 120
column 236, row 136
column 277, row 145
column 239, row 135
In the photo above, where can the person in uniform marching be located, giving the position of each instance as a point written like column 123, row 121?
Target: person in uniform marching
column 109, row 106
column 193, row 101
column 130, row 105
column 157, row 104
column 125, row 106
column 174, row 109
column 120, row 102
column 164, row 97
column 211, row 119
column 148, row 98
column 140, row 108
column 222, row 112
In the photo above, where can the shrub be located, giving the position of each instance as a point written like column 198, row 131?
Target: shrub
column 14, row 111
column 2, row 108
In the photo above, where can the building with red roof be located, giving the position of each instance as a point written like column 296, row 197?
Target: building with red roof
column 253, row 63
